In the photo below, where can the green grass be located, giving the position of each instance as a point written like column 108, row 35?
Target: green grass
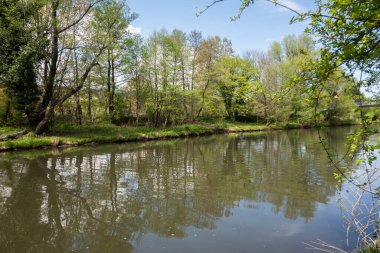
column 8, row 130
column 246, row 127
column 70, row 135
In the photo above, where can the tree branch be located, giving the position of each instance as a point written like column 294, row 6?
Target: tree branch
column 83, row 78
column 81, row 17
column 14, row 136
column 299, row 14
column 209, row 6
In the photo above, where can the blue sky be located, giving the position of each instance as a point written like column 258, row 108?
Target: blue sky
column 258, row 27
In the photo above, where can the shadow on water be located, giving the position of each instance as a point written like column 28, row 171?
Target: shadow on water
column 267, row 191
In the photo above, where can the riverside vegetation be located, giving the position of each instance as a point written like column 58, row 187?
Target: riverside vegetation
column 69, row 135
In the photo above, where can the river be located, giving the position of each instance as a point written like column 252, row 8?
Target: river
column 253, row 192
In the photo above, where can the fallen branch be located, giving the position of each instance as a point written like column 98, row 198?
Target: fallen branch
column 320, row 245
column 14, row 136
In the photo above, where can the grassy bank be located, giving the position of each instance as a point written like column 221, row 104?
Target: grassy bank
column 73, row 135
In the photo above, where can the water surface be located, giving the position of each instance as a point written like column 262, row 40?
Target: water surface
column 258, row 192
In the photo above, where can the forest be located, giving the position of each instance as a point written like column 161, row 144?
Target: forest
column 79, row 62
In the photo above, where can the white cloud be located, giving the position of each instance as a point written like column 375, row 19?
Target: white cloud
column 134, row 30
column 291, row 4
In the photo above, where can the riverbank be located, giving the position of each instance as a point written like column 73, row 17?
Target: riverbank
column 74, row 135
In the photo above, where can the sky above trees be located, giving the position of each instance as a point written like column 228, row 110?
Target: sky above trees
column 256, row 29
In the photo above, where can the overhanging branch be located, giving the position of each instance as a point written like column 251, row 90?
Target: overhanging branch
column 81, row 17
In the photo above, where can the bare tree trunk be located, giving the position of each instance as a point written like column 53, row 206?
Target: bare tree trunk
column 192, row 88
column 184, row 87
column 203, row 98
column 89, row 102
column 205, row 89
column 155, row 88
column 40, row 121
column 78, row 108
column 54, row 57
column 113, row 87
column 137, row 80
column 50, row 110
column 44, row 122
column 108, row 81
column 111, row 84
column 14, row 136
column 175, row 70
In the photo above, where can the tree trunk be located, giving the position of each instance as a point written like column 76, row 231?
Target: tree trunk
column 156, row 114
column 206, row 86
column 111, row 84
column 41, row 127
column 108, row 81
column 192, row 88
column 39, row 119
column 137, row 80
column 78, row 110
column 113, row 88
column 89, row 102
column 203, row 98
column 14, row 136
column 184, row 87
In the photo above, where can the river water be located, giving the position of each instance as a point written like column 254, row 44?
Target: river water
column 254, row 192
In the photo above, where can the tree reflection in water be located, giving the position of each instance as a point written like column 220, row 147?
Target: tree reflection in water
column 106, row 198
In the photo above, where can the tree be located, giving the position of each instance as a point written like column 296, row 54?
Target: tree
column 133, row 58
column 194, row 39
column 280, row 96
column 35, row 48
column 349, row 33
column 347, row 29
column 210, row 50
column 22, row 48
column 234, row 78
column 110, row 23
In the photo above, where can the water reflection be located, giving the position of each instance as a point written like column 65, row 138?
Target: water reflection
column 113, row 198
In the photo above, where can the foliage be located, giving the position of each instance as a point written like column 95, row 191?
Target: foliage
column 234, row 78
column 348, row 31
column 20, row 52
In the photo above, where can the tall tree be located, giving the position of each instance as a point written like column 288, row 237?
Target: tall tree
column 235, row 78
column 22, row 47
column 210, row 50
column 111, row 21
